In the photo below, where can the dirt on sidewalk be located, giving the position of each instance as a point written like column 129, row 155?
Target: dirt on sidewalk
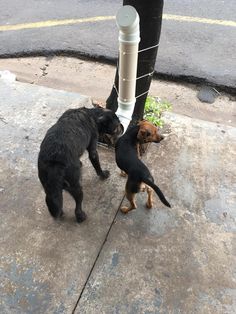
column 95, row 79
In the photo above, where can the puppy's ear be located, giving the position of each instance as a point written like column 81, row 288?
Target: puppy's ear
column 143, row 135
column 141, row 122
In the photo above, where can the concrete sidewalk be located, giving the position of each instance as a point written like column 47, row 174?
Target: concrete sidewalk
column 95, row 79
column 179, row 260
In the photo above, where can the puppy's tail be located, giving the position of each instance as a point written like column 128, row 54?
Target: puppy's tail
column 157, row 190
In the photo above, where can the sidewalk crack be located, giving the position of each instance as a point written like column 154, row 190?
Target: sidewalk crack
column 98, row 255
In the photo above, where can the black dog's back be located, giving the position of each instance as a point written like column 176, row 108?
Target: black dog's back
column 62, row 146
column 128, row 161
column 68, row 138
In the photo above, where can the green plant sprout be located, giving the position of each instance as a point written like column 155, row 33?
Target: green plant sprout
column 154, row 107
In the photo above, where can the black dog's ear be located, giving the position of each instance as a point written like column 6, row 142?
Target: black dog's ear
column 105, row 115
column 102, row 119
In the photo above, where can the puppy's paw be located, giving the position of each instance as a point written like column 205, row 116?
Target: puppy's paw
column 104, row 175
column 149, row 205
column 124, row 209
column 81, row 217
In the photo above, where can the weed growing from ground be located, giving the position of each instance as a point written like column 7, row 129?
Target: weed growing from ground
column 154, row 107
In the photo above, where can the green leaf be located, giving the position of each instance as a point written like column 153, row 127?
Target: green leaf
column 154, row 107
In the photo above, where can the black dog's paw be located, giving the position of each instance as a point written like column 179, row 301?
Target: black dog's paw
column 81, row 217
column 104, row 175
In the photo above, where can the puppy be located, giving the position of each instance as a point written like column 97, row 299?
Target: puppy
column 128, row 161
column 59, row 165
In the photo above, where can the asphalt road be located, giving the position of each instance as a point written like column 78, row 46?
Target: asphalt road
column 198, row 48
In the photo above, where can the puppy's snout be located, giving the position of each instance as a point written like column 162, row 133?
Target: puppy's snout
column 120, row 129
column 159, row 138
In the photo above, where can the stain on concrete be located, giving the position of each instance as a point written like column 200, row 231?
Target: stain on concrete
column 139, row 305
column 115, row 259
column 61, row 309
column 222, row 209
column 20, row 290
column 207, row 94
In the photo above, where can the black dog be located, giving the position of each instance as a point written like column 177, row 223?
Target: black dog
column 127, row 160
column 59, row 165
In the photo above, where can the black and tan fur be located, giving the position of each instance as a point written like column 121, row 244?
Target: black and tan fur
column 128, row 161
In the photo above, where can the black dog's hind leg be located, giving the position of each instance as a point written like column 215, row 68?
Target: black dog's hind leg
column 77, row 194
column 93, row 156
column 52, row 181
column 75, row 189
column 54, row 202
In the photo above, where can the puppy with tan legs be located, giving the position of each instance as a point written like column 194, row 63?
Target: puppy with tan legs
column 128, row 161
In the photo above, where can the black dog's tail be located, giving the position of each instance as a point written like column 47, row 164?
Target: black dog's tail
column 53, row 185
column 157, row 190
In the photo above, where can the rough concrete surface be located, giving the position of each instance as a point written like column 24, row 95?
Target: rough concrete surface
column 96, row 79
column 44, row 264
column 178, row 260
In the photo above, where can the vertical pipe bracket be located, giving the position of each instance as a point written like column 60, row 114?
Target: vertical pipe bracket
column 127, row 20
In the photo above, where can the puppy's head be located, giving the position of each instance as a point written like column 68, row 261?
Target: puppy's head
column 109, row 123
column 148, row 133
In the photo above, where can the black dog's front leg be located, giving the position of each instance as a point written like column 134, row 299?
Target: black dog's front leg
column 93, row 156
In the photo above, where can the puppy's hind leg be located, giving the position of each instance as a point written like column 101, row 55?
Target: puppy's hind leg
column 123, row 174
column 131, row 199
column 130, row 196
column 149, row 203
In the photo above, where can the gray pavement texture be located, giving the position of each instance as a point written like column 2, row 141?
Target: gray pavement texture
column 178, row 260
column 196, row 52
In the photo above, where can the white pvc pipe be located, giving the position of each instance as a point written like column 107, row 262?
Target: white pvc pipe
column 127, row 20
